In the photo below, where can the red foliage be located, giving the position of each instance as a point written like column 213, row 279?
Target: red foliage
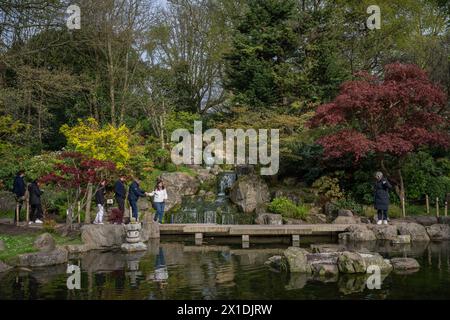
column 394, row 115
column 76, row 171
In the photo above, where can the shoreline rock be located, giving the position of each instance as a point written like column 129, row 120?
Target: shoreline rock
column 42, row 258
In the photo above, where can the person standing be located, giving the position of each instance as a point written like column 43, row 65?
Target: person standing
column 381, row 197
column 120, row 195
column 160, row 196
column 134, row 193
column 100, row 200
column 19, row 188
column 35, row 202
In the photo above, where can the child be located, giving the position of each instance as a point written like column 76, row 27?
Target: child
column 100, row 200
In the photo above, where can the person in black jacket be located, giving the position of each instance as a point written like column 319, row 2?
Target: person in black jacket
column 134, row 194
column 381, row 197
column 100, row 201
column 35, row 202
column 120, row 194
column 19, row 188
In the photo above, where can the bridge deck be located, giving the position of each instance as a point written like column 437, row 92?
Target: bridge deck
column 252, row 230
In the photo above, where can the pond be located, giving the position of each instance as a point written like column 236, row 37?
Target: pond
column 181, row 270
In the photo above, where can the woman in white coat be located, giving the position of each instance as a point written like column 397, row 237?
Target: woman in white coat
column 160, row 196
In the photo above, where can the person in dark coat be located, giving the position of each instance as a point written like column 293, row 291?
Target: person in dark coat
column 100, row 201
column 134, row 193
column 35, row 202
column 381, row 197
column 19, row 188
column 120, row 195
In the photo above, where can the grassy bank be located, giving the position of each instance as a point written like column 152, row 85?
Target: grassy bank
column 23, row 243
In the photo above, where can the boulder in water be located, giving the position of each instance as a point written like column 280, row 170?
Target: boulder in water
column 439, row 232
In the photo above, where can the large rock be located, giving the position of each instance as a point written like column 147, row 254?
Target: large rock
column 384, row 232
column 178, row 184
column 423, row 220
column 358, row 233
column 345, row 213
column 327, row 248
column 269, row 218
column 249, row 192
column 439, row 232
column 444, row 220
column 42, row 259
column 346, row 220
column 402, row 239
column 405, row 264
column 415, row 230
column 150, row 228
column 277, row 263
column 353, row 262
column 4, row 267
column 316, row 218
column 103, row 236
column 45, row 242
column 297, row 260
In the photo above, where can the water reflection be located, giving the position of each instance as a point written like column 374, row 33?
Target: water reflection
column 176, row 270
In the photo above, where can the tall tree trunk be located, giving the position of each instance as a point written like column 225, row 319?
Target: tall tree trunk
column 87, row 217
column 111, row 83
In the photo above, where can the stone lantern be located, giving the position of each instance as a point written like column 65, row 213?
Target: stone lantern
column 133, row 238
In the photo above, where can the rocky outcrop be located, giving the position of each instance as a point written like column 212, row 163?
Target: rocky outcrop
column 444, row 220
column 346, row 220
column 150, row 228
column 42, row 258
column 297, row 260
column 359, row 232
column 45, row 242
column 402, row 239
column 102, row 236
column 405, row 265
column 249, row 192
column 4, row 267
column 178, row 184
column 423, row 220
column 269, row 218
column 329, row 264
column 439, row 232
column 354, row 262
column 314, row 217
column 415, row 230
column 345, row 213
column 384, row 232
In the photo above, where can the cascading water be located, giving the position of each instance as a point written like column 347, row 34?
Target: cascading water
column 206, row 209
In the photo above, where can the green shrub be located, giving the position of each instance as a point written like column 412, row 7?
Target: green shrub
column 349, row 204
column 288, row 209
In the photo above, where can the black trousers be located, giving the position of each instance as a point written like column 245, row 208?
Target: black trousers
column 121, row 203
column 36, row 212
column 382, row 214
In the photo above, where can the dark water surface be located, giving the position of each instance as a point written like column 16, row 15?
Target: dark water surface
column 177, row 270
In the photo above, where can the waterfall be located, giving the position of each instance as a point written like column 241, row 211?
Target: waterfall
column 226, row 182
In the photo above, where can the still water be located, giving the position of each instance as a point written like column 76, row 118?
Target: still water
column 181, row 270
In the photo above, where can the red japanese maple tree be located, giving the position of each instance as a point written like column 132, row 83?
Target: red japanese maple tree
column 76, row 174
column 390, row 115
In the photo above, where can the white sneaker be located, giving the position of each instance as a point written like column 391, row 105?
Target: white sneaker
column 38, row 221
column 30, row 222
column 379, row 221
column 385, row 222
